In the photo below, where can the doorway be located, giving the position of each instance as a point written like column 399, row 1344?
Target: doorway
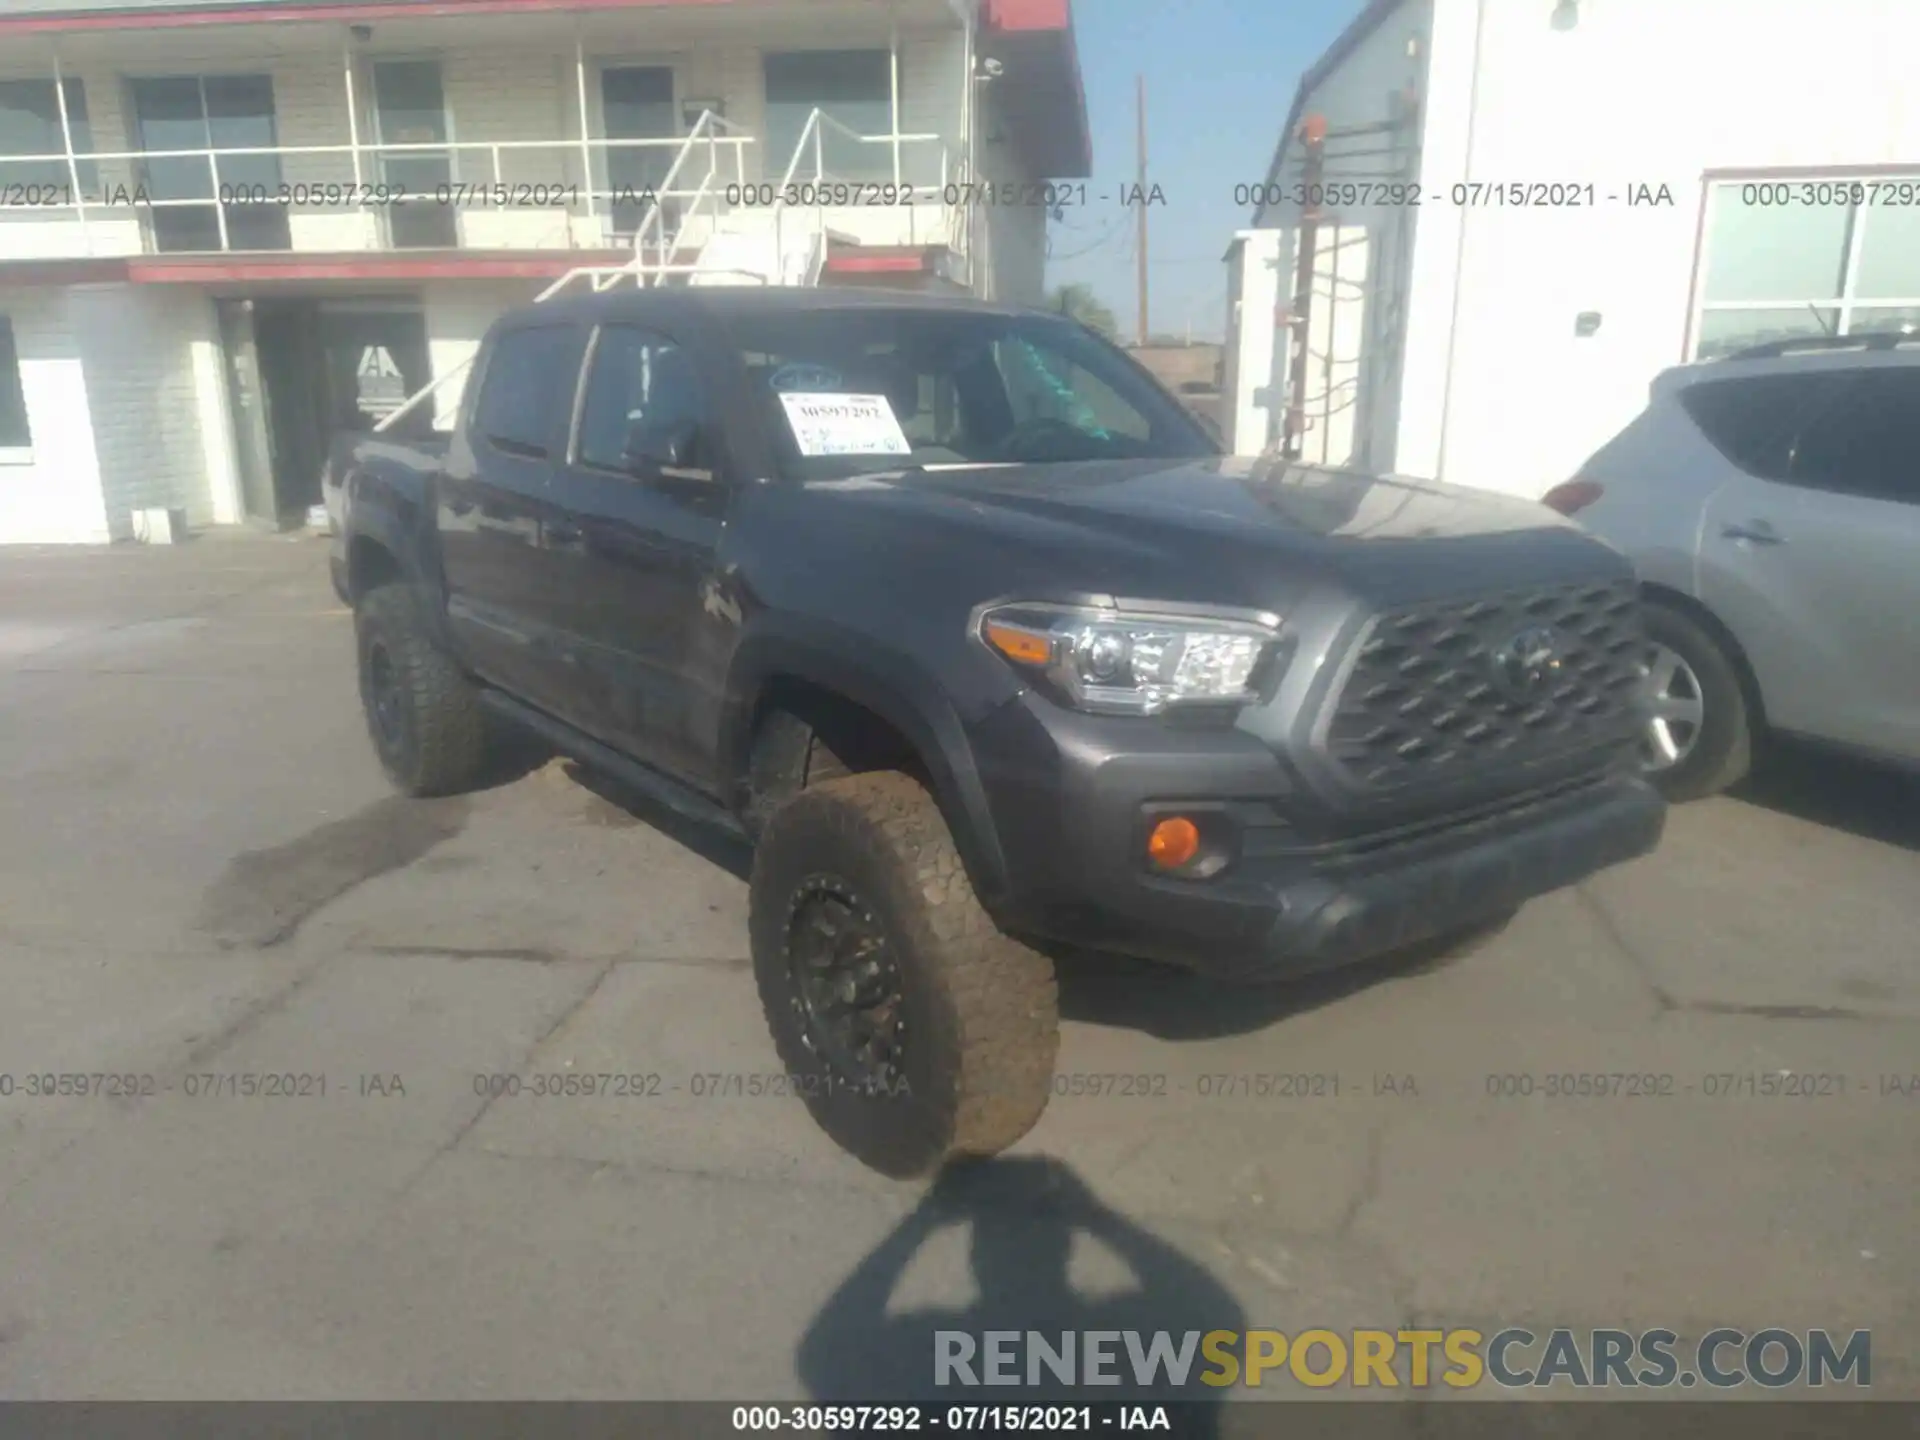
column 410, row 108
column 637, row 103
column 300, row 371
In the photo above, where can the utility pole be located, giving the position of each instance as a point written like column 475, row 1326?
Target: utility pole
column 1140, row 196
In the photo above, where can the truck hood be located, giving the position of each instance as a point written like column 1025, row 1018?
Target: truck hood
column 1235, row 530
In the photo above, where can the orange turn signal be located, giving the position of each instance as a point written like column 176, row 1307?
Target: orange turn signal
column 1173, row 842
column 1028, row 647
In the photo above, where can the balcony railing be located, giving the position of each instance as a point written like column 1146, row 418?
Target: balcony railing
column 336, row 197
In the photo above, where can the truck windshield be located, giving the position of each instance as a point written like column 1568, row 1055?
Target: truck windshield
column 862, row 390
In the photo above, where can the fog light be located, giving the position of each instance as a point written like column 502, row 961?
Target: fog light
column 1173, row 842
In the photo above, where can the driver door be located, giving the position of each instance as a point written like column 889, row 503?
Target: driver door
column 648, row 483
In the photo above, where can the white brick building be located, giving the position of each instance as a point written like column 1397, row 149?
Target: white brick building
column 1524, row 209
column 229, row 228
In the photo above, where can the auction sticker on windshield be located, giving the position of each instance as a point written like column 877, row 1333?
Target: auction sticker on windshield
column 844, row 424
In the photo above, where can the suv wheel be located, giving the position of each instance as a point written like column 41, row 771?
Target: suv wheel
column 422, row 713
column 1698, row 738
column 913, row 1029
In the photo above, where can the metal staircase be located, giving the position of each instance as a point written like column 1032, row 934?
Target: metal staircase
column 719, row 249
column 691, row 235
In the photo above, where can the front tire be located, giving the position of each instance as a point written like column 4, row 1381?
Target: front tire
column 914, row 1030
column 1699, row 737
column 422, row 712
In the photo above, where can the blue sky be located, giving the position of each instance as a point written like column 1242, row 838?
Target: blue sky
column 1220, row 75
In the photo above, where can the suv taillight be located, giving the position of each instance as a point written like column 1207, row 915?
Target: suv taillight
column 1572, row 496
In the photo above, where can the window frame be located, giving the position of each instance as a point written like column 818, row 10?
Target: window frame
column 79, row 123
column 1859, row 215
column 226, row 212
column 768, row 58
column 13, row 384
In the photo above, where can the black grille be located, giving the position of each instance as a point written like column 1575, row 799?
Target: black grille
column 1428, row 695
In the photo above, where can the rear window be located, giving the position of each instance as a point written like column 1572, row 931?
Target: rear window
column 1754, row 421
column 529, row 380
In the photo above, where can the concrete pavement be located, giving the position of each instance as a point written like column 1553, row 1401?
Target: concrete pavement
column 203, row 876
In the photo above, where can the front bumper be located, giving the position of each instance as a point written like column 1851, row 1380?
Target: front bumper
column 1306, row 890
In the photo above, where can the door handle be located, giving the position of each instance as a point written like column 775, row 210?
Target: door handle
column 1754, row 532
column 562, row 534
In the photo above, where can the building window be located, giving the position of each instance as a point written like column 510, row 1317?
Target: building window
column 1812, row 255
column 30, row 125
column 853, row 88
column 203, row 202
column 410, row 108
column 15, row 436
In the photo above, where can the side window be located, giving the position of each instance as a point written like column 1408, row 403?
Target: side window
column 528, row 385
column 935, row 418
column 644, row 402
column 1044, row 385
column 1754, row 422
column 1869, row 444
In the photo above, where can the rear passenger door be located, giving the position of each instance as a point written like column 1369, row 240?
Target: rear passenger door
column 1817, row 566
column 502, row 526
column 649, row 482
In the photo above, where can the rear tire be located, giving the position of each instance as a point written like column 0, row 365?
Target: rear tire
column 858, row 879
column 1721, row 748
column 422, row 712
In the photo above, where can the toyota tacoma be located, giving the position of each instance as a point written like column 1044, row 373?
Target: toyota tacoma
column 968, row 627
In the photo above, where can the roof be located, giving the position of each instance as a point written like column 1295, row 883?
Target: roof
column 1044, row 96
column 60, row 15
column 1370, row 19
column 725, row 300
column 248, row 9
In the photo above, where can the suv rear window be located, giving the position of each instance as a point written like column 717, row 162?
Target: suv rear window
column 1754, row 421
column 1869, row 445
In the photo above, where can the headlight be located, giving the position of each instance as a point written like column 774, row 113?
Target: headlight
column 1126, row 663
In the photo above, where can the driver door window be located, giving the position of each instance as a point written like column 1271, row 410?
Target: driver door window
column 644, row 406
column 1044, row 385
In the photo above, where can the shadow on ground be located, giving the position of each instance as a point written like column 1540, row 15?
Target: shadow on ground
column 1022, row 1215
column 1872, row 801
column 1172, row 1004
column 711, row 844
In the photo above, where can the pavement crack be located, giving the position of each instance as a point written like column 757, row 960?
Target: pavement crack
column 250, row 1016
column 1784, row 1012
column 466, row 1127
column 1663, row 1001
column 530, row 955
column 1368, row 1188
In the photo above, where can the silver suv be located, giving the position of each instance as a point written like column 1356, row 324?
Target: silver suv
column 1771, row 504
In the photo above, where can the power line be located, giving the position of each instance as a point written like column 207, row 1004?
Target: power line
column 1106, row 236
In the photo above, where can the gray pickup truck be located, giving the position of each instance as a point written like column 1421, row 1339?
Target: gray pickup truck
column 966, row 624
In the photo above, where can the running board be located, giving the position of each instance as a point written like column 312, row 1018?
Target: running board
column 683, row 800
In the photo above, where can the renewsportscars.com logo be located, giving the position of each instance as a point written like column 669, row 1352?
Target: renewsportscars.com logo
column 1513, row 1358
